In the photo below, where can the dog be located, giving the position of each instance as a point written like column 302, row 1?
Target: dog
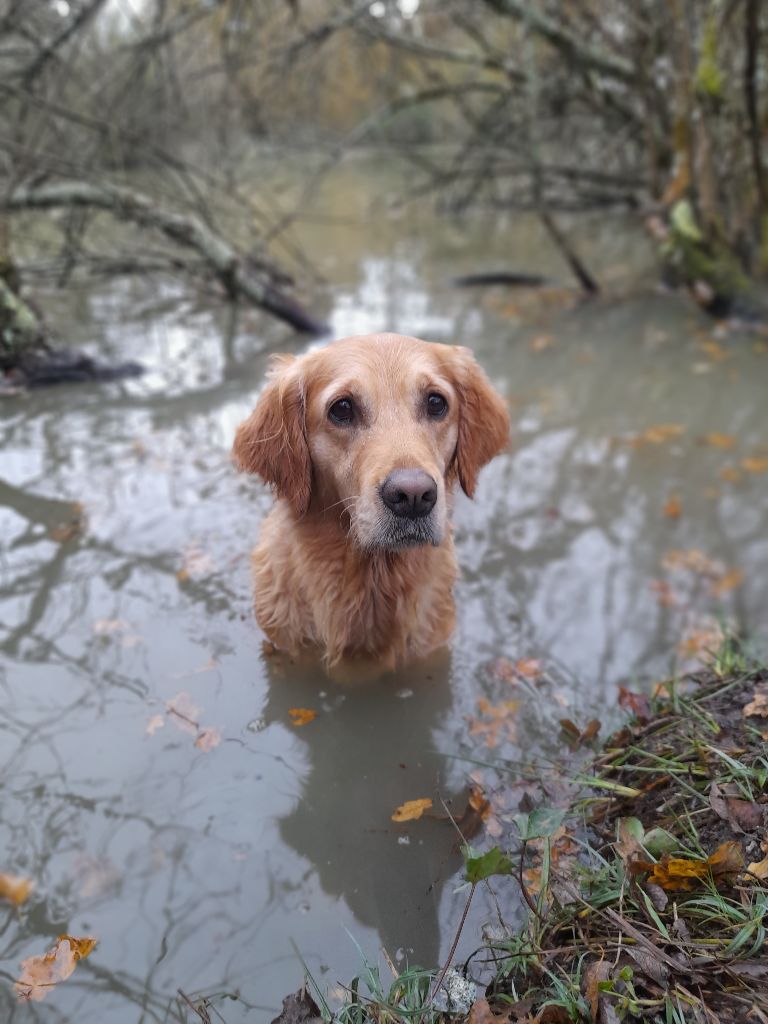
column 363, row 442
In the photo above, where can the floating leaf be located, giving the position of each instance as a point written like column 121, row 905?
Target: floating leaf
column 41, row 973
column 727, row 582
column 755, row 464
column 659, row 433
column 673, row 507
column 723, row 441
column 183, row 712
column 15, row 889
column 301, row 716
column 207, row 739
column 156, row 722
column 478, row 867
column 412, row 809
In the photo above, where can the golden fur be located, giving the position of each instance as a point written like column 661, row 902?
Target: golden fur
column 334, row 569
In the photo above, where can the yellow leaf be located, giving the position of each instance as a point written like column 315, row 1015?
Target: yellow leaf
column 715, row 440
column 412, row 809
column 755, row 464
column 40, row 973
column 657, row 434
column 301, row 716
column 15, row 889
column 731, row 474
column 684, row 874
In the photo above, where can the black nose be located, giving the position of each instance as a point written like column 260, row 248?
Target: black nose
column 409, row 493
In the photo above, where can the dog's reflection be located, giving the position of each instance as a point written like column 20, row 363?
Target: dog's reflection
column 370, row 749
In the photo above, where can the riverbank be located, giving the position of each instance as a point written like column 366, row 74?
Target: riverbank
column 648, row 893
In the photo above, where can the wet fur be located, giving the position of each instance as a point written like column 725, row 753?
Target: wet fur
column 322, row 578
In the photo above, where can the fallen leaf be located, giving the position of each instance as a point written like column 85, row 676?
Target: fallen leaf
column 636, row 704
column 41, row 973
column 196, row 565
column 664, row 594
column 758, row 705
column 156, row 722
column 685, row 874
column 541, row 343
column 481, row 1013
column 594, row 975
column 15, row 889
column 500, row 717
column 715, row 440
column 476, row 812
column 729, row 581
column 207, row 739
column 731, row 474
column 511, row 672
column 754, row 464
column 691, row 560
column 299, row 1008
column 184, row 714
column 759, row 869
column 673, row 507
column 412, row 809
column 714, row 350
column 657, row 434
column 301, row 716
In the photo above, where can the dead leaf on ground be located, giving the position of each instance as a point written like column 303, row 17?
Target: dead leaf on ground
column 759, row 869
column 758, row 705
column 577, row 737
column 673, row 507
column 39, row 974
column 636, row 704
column 412, row 809
column 15, row 889
column 481, row 1013
column 683, row 874
column 299, row 1008
column 301, row 716
column 664, row 594
column 742, row 815
column 594, row 975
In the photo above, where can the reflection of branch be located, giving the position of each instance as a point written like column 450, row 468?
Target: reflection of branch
column 229, row 266
column 578, row 50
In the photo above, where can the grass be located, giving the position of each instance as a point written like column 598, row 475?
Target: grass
column 611, row 936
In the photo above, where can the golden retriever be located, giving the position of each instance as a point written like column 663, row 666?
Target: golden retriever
column 363, row 441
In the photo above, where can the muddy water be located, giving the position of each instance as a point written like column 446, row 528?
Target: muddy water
column 124, row 584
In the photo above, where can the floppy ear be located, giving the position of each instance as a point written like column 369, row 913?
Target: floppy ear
column 272, row 441
column 483, row 420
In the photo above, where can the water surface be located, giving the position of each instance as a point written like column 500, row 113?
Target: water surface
column 124, row 583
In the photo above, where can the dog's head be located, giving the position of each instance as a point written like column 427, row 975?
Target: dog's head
column 374, row 430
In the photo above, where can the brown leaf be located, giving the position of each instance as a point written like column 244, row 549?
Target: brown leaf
column 301, row 716
column 475, row 813
column 183, row 712
column 299, row 1008
column 15, row 889
column 40, row 973
column 684, row 874
column 730, row 474
column 755, row 464
column 741, row 815
column 759, row 868
column 758, row 705
column 412, row 809
column 637, row 704
column 673, row 507
column 481, row 1013
column 657, row 434
column 594, row 974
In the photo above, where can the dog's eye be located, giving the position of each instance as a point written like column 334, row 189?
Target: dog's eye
column 342, row 412
column 436, row 405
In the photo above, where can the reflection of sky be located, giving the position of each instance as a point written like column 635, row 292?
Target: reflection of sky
column 197, row 869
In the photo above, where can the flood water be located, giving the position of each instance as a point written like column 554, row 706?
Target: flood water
column 631, row 501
